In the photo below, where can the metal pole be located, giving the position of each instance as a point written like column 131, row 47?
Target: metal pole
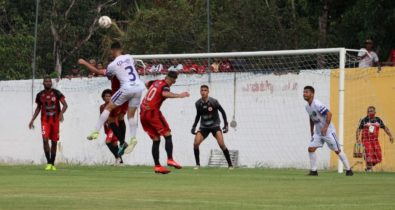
column 208, row 40
column 34, row 53
column 342, row 65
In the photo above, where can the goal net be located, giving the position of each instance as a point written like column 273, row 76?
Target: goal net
column 261, row 93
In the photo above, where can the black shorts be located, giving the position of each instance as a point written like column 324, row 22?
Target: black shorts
column 206, row 131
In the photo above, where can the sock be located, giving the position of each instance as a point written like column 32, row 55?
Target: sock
column 169, row 147
column 197, row 158
column 112, row 148
column 227, row 156
column 54, row 145
column 132, row 127
column 46, row 152
column 155, row 152
column 313, row 161
column 344, row 160
column 119, row 130
column 102, row 119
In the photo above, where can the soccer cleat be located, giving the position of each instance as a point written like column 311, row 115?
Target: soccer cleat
column 118, row 162
column 53, row 168
column 132, row 144
column 349, row 173
column 313, row 173
column 173, row 163
column 196, row 167
column 48, row 167
column 122, row 148
column 93, row 135
column 231, row 167
column 161, row 170
column 368, row 170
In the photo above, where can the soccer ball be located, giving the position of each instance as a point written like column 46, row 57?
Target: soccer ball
column 104, row 22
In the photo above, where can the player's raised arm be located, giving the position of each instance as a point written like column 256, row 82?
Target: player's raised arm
column 90, row 67
column 168, row 94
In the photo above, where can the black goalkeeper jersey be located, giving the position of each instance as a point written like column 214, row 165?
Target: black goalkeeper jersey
column 207, row 112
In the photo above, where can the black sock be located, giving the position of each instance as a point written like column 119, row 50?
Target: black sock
column 197, row 158
column 53, row 151
column 155, row 151
column 169, row 147
column 113, row 149
column 119, row 131
column 227, row 156
column 47, row 152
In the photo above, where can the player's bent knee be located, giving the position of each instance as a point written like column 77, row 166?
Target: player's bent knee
column 311, row 149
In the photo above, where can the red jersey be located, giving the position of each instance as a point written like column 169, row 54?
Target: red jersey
column 50, row 104
column 154, row 99
column 370, row 128
column 392, row 57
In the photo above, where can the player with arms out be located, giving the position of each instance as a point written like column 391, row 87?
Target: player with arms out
column 207, row 112
column 48, row 103
column 154, row 123
column 322, row 131
column 122, row 67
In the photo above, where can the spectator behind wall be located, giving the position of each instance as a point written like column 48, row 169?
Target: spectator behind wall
column 189, row 67
column 391, row 58
column 175, row 65
column 367, row 57
column 156, row 67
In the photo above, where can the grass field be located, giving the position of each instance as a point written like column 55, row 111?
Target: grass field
column 106, row 187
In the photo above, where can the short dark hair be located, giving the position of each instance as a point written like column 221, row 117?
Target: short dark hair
column 372, row 107
column 105, row 92
column 47, row 77
column 310, row 88
column 116, row 45
column 172, row 74
column 204, row 86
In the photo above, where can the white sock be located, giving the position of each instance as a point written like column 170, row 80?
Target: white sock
column 344, row 160
column 132, row 127
column 102, row 119
column 313, row 161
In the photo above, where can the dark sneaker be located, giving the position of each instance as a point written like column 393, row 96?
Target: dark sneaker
column 349, row 173
column 313, row 173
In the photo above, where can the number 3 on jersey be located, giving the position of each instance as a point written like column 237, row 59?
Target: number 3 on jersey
column 130, row 70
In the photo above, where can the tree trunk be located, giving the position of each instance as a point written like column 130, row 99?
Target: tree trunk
column 58, row 63
column 323, row 24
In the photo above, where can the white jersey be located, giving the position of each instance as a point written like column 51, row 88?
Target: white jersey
column 368, row 60
column 123, row 68
column 317, row 112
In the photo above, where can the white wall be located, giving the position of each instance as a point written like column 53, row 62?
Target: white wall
column 272, row 129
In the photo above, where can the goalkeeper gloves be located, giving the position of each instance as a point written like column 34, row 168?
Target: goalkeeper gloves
column 193, row 130
column 225, row 129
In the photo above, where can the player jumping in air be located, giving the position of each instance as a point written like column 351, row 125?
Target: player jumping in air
column 322, row 131
column 207, row 112
column 122, row 67
column 111, row 138
column 48, row 103
column 153, row 122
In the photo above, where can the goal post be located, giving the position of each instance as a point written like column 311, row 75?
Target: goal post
column 314, row 59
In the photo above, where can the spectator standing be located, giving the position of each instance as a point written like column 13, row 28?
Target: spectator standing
column 175, row 65
column 367, row 57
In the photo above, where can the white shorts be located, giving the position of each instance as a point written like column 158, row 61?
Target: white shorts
column 330, row 139
column 132, row 94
